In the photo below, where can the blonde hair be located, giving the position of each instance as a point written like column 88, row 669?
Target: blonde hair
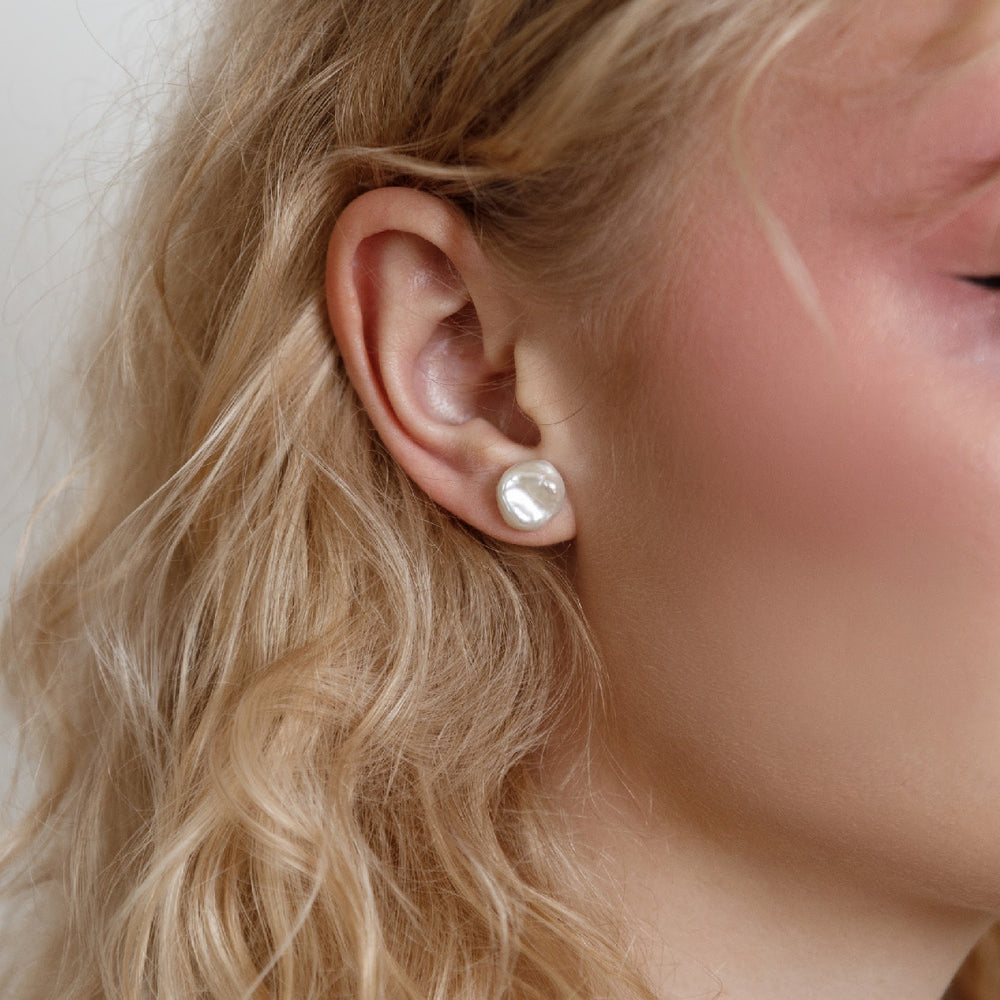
column 288, row 712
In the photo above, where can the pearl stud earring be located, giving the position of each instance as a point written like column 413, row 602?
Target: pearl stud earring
column 530, row 494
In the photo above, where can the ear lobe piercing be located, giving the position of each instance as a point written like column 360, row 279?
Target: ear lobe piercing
column 530, row 494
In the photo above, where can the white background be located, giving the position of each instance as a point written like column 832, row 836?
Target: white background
column 77, row 81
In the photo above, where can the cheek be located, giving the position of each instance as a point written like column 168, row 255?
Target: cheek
column 813, row 539
column 865, row 442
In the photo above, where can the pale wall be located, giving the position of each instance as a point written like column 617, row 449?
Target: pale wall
column 76, row 80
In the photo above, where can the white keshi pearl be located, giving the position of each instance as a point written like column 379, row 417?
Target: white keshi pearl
column 530, row 494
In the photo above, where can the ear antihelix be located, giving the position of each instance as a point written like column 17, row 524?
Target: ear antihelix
column 530, row 494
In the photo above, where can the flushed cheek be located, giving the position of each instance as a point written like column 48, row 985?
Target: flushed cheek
column 861, row 439
column 807, row 640
column 820, row 553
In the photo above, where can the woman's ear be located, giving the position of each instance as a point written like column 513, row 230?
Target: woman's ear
column 430, row 342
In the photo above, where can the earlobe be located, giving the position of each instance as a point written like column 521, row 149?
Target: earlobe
column 429, row 342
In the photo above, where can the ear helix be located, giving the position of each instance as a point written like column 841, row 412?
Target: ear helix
column 530, row 494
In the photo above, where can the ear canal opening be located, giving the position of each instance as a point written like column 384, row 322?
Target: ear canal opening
column 458, row 383
column 502, row 410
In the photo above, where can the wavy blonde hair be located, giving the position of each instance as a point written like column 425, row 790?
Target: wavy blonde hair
column 288, row 712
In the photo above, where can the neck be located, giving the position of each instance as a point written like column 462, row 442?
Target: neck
column 713, row 917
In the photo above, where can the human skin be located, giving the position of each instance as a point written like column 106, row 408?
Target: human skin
column 794, row 578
